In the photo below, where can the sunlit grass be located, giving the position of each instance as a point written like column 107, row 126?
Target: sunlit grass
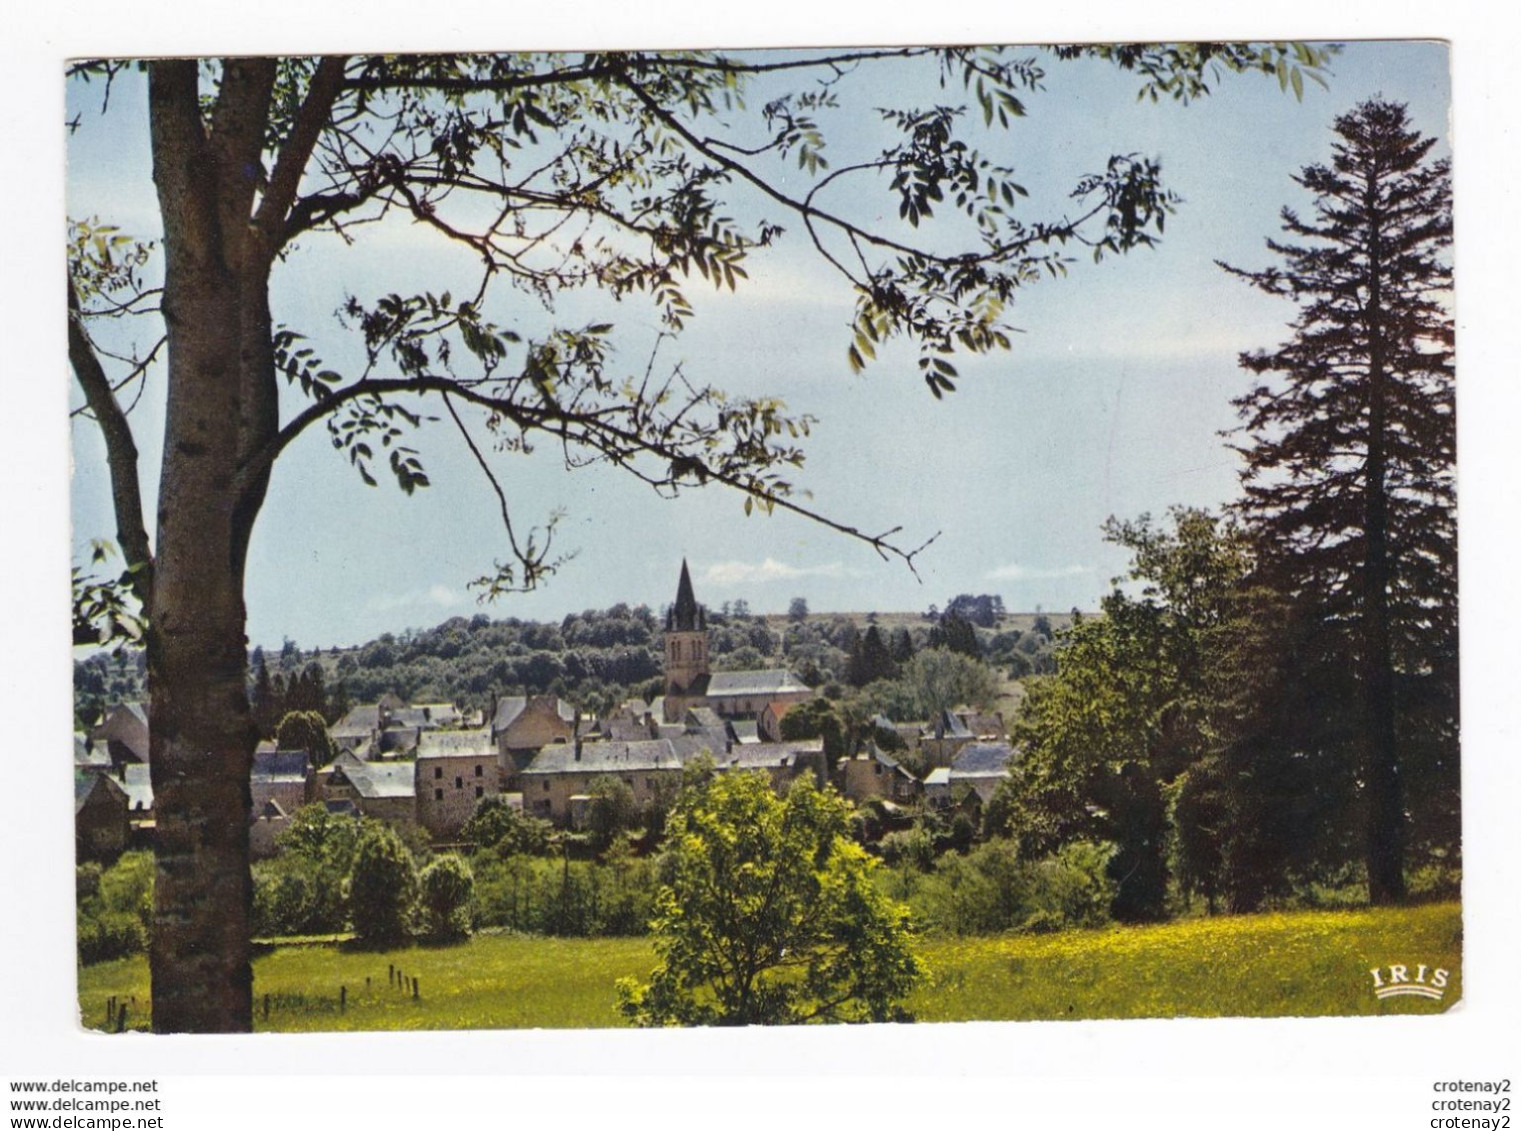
column 1307, row 963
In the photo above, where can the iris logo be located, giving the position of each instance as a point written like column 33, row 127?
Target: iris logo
column 1397, row 981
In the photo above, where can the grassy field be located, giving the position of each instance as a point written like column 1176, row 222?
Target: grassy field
column 1296, row 964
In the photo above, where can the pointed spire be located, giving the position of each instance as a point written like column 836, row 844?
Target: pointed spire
column 686, row 614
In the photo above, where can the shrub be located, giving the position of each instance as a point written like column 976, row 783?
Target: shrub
column 382, row 887
column 496, row 824
column 114, row 907
column 109, row 934
column 991, row 890
column 447, row 887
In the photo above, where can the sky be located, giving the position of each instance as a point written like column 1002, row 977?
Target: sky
column 1110, row 403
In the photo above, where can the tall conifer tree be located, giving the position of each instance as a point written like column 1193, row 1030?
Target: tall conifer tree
column 1350, row 446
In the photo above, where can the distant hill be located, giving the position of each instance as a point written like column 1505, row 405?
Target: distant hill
column 594, row 657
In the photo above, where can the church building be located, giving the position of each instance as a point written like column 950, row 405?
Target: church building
column 690, row 683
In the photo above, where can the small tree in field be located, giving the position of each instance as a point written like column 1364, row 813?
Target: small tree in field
column 771, row 916
column 447, row 887
column 382, row 887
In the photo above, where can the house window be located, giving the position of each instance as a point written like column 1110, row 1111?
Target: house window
column 477, row 771
column 459, row 783
column 480, row 791
column 438, row 795
column 546, row 787
column 438, row 771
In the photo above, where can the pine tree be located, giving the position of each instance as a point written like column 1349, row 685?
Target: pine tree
column 1350, row 449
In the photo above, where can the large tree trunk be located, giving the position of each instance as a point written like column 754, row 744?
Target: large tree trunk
column 1385, row 842
column 220, row 406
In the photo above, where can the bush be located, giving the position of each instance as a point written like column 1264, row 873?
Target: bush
column 110, row 934
column 496, row 824
column 447, row 887
column 991, row 890
column 574, row 898
column 114, row 907
column 382, row 887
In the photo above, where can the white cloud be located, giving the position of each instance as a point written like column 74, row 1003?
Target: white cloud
column 1016, row 572
column 433, row 597
column 730, row 574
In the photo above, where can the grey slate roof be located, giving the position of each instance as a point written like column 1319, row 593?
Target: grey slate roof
column 441, row 714
column 456, row 744
column 689, row 744
column 398, row 740
column 984, row 726
column 90, row 756
column 621, row 728
column 378, row 780
column 776, row 681
column 769, row 755
column 949, row 725
column 277, row 765
column 982, row 759
column 699, row 718
column 86, row 784
column 509, row 707
column 409, row 717
column 358, row 722
column 605, row 758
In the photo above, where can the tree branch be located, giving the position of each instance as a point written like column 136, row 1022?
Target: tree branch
column 297, row 150
column 121, row 454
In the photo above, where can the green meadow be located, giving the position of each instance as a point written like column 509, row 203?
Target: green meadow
column 1302, row 963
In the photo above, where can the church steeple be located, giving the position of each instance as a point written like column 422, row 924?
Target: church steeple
column 686, row 614
column 686, row 649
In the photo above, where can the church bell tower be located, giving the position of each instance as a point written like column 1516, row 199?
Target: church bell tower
column 686, row 647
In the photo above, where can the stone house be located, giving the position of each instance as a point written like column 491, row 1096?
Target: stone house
column 383, row 790
column 872, row 773
column 768, row 723
column 944, row 737
column 981, row 767
column 521, row 726
column 455, row 771
column 558, row 773
column 280, row 776
column 782, row 762
column 101, row 827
